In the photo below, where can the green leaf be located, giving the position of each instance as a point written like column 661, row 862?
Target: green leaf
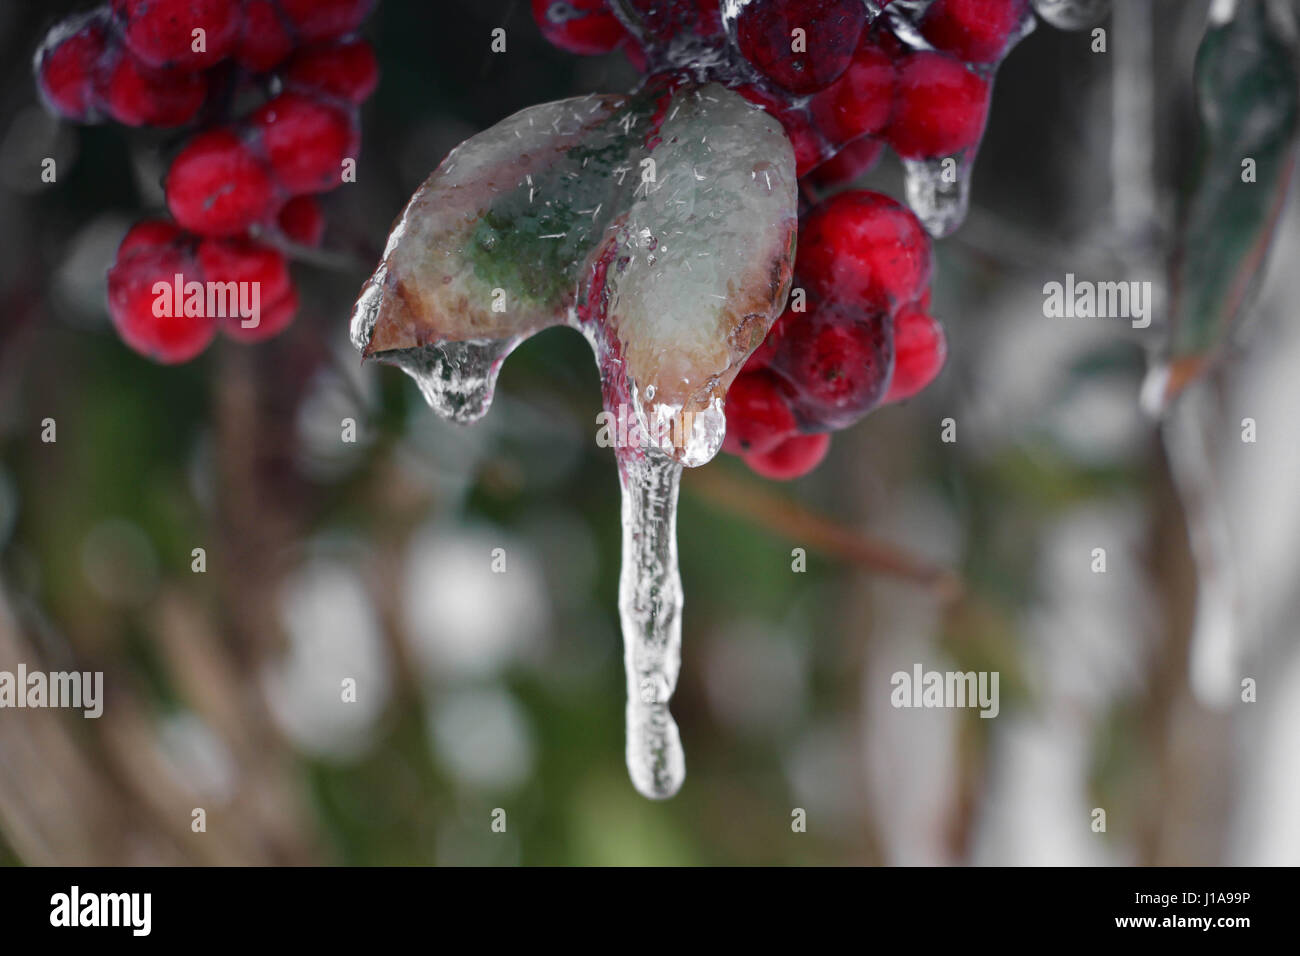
column 1248, row 86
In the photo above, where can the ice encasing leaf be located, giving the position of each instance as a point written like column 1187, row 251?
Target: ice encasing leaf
column 661, row 225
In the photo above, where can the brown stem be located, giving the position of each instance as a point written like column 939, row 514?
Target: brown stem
column 796, row 523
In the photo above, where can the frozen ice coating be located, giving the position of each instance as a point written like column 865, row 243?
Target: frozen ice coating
column 662, row 226
column 1072, row 14
column 650, row 610
column 938, row 191
column 698, row 265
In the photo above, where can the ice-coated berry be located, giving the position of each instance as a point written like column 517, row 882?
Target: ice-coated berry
column 165, row 33
column 660, row 21
column 977, row 31
column 635, row 54
column 762, row 356
column 264, row 40
column 263, row 269
column 136, row 95
column 856, row 159
column 243, row 260
column 275, row 317
column 810, row 148
column 864, row 250
column 804, row 61
column 315, row 20
column 792, row 458
column 139, row 310
column 217, row 187
column 586, row 27
column 758, row 416
column 940, row 107
column 859, row 102
column 347, row 71
column 837, row 362
column 306, row 141
column 66, row 66
column 709, row 23
column 302, row 221
column 148, row 234
column 920, row 349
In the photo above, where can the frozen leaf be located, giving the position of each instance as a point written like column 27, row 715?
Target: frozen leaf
column 661, row 226
column 1248, row 83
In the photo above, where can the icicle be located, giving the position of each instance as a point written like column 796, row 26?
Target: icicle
column 650, row 608
column 938, row 191
column 457, row 379
column 1072, row 14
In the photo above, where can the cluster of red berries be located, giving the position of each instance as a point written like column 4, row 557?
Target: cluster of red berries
column 839, row 77
column 238, row 187
column 845, row 78
column 857, row 335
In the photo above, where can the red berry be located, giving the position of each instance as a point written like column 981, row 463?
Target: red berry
column 148, row 234
column 275, row 318
column 810, row 149
column 977, row 31
column 860, row 101
column 161, row 32
column 709, row 23
column 137, row 95
column 762, row 356
column 266, row 275
column 217, row 186
column 245, row 261
column 837, row 362
column 804, row 62
column 635, row 54
column 302, row 221
column 66, row 64
column 315, row 20
column 940, row 108
column 864, row 250
column 853, row 161
column 794, row 457
column 306, row 141
column 264, row 40
column 141, row 287
column 920, row 349
column 658, row 22
column 585, row 27
column 347, row 71
column 758, row 417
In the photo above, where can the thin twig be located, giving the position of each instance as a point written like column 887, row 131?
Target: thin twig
column 793, row 521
